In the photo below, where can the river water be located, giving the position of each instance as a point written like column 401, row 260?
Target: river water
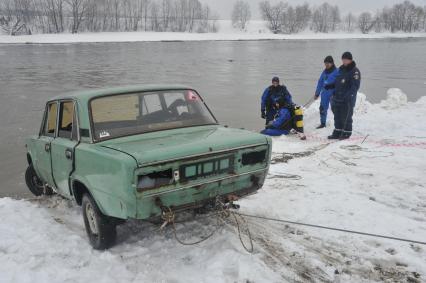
column 229, row 75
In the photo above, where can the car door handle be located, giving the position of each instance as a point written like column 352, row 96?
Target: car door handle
column 68, row 153
column 47, row 147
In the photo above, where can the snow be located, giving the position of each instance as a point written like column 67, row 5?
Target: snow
column 374, row 183
column 255, row 31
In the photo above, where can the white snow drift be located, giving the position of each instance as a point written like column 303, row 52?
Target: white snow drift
column 374, row 183
column 257, row 30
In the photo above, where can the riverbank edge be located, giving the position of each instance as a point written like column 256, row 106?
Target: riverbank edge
column 132, row 37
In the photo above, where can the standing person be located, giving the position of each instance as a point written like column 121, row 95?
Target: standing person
column 325, row 88
column 271, row 94
column 347, row 84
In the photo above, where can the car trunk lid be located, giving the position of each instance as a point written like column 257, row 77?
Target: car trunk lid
column 158, row 147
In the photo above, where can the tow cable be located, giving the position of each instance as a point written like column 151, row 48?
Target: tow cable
column 223, row 213
column 333, row 229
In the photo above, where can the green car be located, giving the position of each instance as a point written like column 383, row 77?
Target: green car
column 130, row 152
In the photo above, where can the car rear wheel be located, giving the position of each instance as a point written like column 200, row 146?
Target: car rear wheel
column 100, row 229
column 34, row 183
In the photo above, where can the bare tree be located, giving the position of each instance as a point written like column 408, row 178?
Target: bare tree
column 295, row 19
column 405, row 17
column 424, row 18
column 241, row 14
column 303, row 16
column 145, row 10
column 322, row 18
column 126, row 14
column 349, row 22
column 15, row 16
column 288, row 20
column 195, row 10
column 180, row 15
column 105, row 8
column 204, row 20
column 78, row 9
column 284, row 18
column 335, row 18
column 365, row 22
column 116, row 9
column 55, row 16
column 92, row 22
column 379, row 24
column 213, row 23
column 166, row 7
column 273, row 15
column 155, row 13
column 131, row 14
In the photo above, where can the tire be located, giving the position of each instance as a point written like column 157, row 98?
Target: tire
column 34, row 184
column 100, row 229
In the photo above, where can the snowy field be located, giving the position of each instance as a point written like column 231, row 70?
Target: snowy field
column 373, row 183
column 256, row 30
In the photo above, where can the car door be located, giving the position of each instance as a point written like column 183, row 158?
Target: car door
column 42, row 160
column 62, row 147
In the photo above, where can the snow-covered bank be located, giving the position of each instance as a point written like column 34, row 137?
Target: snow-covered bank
column 373, row 183
column 176, row 36
column 256, row 31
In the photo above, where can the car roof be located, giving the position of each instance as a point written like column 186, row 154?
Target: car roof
column 88, row 94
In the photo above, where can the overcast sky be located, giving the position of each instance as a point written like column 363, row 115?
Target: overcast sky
column 224, row 7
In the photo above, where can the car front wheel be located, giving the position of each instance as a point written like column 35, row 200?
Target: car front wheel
column 100, row 229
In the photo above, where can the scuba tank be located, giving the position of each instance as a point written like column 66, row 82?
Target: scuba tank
column 297, row 112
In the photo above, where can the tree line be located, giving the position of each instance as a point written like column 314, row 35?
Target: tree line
column 57, row 16
column 285, row 18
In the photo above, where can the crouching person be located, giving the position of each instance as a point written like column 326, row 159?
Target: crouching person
column 284, row 120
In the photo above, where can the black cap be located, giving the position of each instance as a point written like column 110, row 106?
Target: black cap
column 276, row 79
column 347, row 55
column 329, row 59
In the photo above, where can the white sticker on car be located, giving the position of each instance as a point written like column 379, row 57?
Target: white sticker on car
column 104, row 134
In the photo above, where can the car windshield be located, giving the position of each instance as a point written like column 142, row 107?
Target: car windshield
column 136, row 113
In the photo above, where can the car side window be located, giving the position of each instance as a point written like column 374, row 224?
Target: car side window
column 66, row 119
column 50, row 122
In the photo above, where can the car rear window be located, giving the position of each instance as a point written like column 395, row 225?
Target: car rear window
column 136, row 113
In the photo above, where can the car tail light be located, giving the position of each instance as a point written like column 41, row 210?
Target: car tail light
column 155, row 180
column 251, row 158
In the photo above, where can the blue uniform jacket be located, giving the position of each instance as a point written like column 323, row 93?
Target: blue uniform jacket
column 282, row 118
column 347, row 85
column 269, row 97
column 326, row 83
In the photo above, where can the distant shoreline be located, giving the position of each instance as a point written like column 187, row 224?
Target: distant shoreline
column 123, row 37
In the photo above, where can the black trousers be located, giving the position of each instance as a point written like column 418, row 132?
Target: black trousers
column 343, row 113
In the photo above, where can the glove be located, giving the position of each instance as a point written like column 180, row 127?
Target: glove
column 290, row 105
column 263, row 114
column 270, row 125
